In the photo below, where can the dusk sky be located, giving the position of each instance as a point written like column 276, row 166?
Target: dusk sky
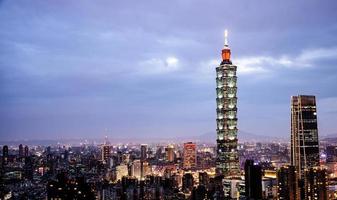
column 85, row 69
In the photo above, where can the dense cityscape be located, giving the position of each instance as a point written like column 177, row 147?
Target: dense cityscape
column 302, row 168
column 168, row 100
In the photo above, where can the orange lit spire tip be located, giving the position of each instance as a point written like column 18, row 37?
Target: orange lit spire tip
column 226, row 52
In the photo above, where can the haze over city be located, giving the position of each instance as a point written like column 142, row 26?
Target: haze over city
column 90, row 69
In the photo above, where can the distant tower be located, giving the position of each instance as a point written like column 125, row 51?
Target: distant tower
column 143, row 157
column 4, row 154
column 253, row 180
column 227, row 162
column 26, row 152
column 106, row 150
column 20, row 150
column 287, row 181
column 304, row 134
column 143, row 152
column 190, row 157
column 170, row 153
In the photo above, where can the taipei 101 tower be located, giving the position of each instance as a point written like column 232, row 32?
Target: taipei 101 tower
column 227, row 162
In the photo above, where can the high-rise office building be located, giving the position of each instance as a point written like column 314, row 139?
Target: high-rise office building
column 20, row 150
column 304, row 134
column 316, row 184
column 253, row 180
column 169, row 150
column 143, row 157
column 26, row 151
column 105, row 150
column 143, row 152
column 287, row 180
column 188, row 182
column 190, row 157
column 121, row 170
column 227, row 162
column 136, row 169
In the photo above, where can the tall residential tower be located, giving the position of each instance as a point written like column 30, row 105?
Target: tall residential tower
column 227, row 162
column 304, row 134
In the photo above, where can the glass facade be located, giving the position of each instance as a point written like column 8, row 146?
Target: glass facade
column 304, row 133
column 227, row 162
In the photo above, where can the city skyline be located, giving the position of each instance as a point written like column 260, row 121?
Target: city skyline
column 98, row 72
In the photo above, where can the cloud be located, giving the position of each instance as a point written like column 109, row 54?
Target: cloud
column 266, row 64
column 309, row 56
column 159, row 65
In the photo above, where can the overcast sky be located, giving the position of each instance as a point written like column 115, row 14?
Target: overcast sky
column 85, row 69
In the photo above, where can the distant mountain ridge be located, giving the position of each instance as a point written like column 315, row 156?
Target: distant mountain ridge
column 246, row 137
column 209, row 137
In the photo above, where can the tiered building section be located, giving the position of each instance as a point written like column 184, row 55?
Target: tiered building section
column 227, row 162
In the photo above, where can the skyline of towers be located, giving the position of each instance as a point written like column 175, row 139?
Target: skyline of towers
column 304, row 134
column 227, row 162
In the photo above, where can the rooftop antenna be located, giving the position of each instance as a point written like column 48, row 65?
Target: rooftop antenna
column 226, row 38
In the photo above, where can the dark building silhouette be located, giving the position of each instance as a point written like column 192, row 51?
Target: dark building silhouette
column 203, row 178
column 287, row 181
column 199, row 193
column 21, row 151
column 4, row 154
column 143, row 152
column 188, row 182
column 253, row 180
column 316, row 184
column 331, row 154
column 65, row 188
column 28, row 168
column 26, row 151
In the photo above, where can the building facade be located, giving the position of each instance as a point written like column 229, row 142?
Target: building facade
column 287, row 181
column 316, row 184
column 253, row 180
column 304, row 134
column 190, row 157
column 169, row 151
column 227, row 162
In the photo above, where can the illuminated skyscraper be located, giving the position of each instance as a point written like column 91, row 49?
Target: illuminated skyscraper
column 190, row 157
column 227, row 162
column 170, row 153
column 304, row 134
column 106, row 150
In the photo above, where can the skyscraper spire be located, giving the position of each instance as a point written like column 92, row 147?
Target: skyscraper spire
column 226, row 38
column 226, row 51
